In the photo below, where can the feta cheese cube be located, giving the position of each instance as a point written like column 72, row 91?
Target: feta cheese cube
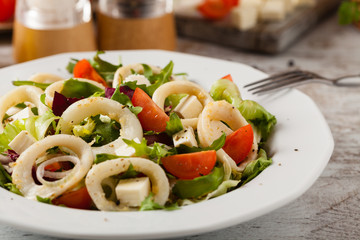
column 185, row 137
column 244, row 17
column 22, row 141
column 24, row 113
column 132, row 191
column 189, row 107
column 273, row 10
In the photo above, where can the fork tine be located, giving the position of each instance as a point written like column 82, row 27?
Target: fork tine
column 283, row 84
column 274, row 77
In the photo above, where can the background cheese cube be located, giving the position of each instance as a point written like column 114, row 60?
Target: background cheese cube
column 244, row 17
column 133, row 191
column 273, row 10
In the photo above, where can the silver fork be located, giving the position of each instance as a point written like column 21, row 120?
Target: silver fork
column 296, row 78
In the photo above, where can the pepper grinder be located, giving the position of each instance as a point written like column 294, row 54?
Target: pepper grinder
column 46, row 27
column 136, row 24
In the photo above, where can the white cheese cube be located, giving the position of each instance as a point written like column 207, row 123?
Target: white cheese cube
column 244, row 17
column 273, row 10
column 185, row 137
column 133, row 191
column 254, row 3
column 25, row 113
column 22, row 141
column 141, row 79
column 189, row 107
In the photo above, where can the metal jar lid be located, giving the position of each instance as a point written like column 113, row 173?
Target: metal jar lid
column 135, row 8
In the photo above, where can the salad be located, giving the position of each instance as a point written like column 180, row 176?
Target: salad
column 128, row 137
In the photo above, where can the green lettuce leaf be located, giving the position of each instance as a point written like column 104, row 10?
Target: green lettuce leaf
column 78, row 89
column 253, row 112
column 44, row 200
column 43, row 86
column 99, row 158
column 13, row 188
column 255, row 167
column 149, row 204
column 259, row 117
column 154, row 152
column 37, row 126
column 199, row 186
column 174, row 125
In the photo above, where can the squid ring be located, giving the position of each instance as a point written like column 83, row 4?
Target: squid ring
column 211, row 128
column 78, row 111
column 58, row 86
column 177, row 87
column 22, row 174
column 20, row 95
column 127, row 70
column 45, row 78
column 99, row 172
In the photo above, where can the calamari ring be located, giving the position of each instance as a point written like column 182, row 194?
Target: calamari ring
column 45, row 78
column 210, row 128
column 159, row 183
column 127, row 70
column 22, row 174
column 78, row 111
column 19, row 95
column 178, row 87
column 58, row 86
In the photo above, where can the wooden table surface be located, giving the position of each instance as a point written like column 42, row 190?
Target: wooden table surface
column 330, row 208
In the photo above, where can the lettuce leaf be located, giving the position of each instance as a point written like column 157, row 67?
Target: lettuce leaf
column 199, row 186
column 154, row 152
column 104, row 68
column 257, row 115
column 149, row 204
column 37, row 126
column 43, row 86
column 255, row 167
column 96, row 128
column 174, row 125
column 5, row 177
column 253, row 112
column 78, row 89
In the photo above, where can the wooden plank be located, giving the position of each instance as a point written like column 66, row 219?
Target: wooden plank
column 272, row 38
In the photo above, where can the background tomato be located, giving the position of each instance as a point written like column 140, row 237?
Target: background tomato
column 7, row 9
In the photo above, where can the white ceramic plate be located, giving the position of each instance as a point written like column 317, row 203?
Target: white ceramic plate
column 300, row 147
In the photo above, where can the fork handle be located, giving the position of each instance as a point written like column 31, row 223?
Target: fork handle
column 348, row 81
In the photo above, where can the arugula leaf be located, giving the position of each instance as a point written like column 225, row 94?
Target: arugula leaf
column 174, row 125
column 149, row 204
column 95, row 128
column 216, row 145
column 147, row 71
column 43, row 86
column 71, row 65
column 125, row 100
column 174, row 99
column 78, row 89
column 99, row 158
column 12, row 188
column 161, row 78
column 43, row 200
column 130, row 173
column 104, row 68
